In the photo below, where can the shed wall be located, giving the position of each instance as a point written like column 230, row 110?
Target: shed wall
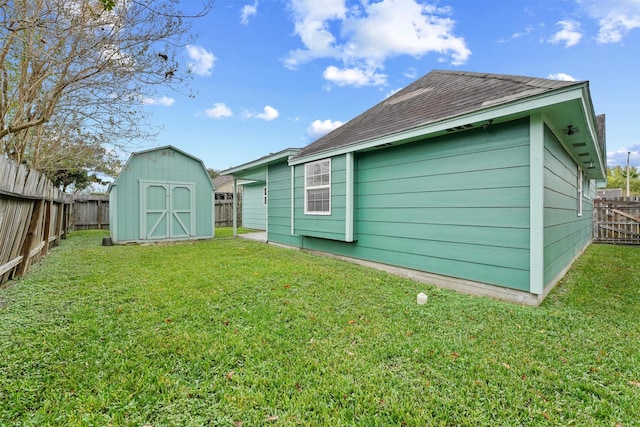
column 163, row 165
column 457, row 205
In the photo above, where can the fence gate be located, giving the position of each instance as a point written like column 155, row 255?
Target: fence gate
column 617, row 221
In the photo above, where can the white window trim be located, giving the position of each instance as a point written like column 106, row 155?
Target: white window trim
column 318, row 187
column 580, row 191
column 264, row 196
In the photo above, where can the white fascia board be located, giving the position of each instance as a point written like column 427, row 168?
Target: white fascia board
column 490, row 113
column 587, row 105
column 285, row 154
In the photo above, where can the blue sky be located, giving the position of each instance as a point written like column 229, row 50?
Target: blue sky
column 273, row 74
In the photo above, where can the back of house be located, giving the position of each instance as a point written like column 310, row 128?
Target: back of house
column 477, row 182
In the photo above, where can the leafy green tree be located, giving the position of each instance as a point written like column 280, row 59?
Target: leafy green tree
column 212, row 173
column 617, row 178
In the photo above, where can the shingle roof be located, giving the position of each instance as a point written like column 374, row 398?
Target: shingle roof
column 436, row 96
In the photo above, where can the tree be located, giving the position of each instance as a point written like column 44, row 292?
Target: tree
column 617, row 178
column 212, row 173
column 74, row 73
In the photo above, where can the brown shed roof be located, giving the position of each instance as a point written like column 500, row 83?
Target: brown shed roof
column 437, row 96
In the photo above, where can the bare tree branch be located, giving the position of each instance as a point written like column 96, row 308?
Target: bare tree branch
column 93, row 60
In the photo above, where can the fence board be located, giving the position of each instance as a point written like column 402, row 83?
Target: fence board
column 30, row 208
column 90, row 212
column 224, row 210
column 617, row 221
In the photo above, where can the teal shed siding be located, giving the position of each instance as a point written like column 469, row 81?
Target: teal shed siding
column 565, row 233
column 191, row 193
column 279, row 205
column 254, row 210
column 456, row 205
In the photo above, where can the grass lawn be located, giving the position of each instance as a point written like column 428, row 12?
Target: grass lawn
column 237, row 333
column 227, row 232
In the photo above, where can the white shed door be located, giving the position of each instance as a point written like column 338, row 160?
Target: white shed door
column 167, row 210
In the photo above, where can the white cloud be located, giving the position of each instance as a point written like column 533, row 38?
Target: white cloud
column 619, row 157
column 163, row 101
column 364, row 36
column 392, row 92
column 616, row 18
column 322, row 127
column 528, row 30
column 353, row 77
column 269, row 113
column 569, row 34
column 562, row 76
column 218, row 111
column 613, row 28
column 202, row 60
column 247, row 11
column 411, row 73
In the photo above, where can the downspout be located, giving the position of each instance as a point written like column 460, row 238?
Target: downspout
column 348, row 227
column 536, row 204
column 235, row 208
column 293, row 193
column 266, row 185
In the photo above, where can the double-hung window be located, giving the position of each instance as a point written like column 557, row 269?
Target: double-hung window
column 317, row 187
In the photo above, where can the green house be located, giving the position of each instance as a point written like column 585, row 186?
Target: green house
column 477, row 182
column 161, row 194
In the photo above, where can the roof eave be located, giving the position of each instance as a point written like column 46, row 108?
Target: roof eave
column 510, row 110
column 284, row 154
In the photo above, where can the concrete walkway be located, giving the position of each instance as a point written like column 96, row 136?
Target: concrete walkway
column 258, row 236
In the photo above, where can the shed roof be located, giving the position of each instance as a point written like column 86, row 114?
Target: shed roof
column 437, row 96
column 164, row 147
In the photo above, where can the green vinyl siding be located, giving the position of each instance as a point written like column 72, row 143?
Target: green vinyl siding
column 457, row 205
column 254, row 212
column 330, row 226
column 280, row 205
column 565, row 233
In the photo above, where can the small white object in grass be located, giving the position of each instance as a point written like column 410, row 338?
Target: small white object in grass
column 422, row 298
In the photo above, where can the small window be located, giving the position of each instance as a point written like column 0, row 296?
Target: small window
column 580, row 190
column 264, row 196
column 586, row 187
column 317, row 187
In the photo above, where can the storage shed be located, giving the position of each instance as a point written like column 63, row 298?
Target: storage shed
column 161, row 194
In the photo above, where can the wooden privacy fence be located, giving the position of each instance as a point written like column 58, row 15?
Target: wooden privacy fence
column 90, row 212
column 617, row 221
column 224, row 209
column 33, row 216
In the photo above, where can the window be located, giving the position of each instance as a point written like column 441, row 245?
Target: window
column 317, row 187
column 264, row 196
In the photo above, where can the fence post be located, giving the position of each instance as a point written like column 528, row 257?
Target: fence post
column 46, row 227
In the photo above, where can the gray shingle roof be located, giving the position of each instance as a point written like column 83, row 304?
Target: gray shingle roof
column 436, row 96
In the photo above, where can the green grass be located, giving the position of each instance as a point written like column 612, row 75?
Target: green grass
column 232, row 332
column 227, row 232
